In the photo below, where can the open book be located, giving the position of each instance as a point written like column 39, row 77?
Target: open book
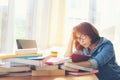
column 78, row 70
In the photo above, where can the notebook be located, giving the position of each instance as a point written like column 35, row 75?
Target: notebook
column 26, row 44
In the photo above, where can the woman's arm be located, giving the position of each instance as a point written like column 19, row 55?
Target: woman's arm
column 69, row 48
column 103, row 56
column 83, row 63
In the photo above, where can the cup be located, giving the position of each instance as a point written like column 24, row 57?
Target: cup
column 54, row 53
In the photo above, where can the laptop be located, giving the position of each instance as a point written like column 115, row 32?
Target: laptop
column 26, row 44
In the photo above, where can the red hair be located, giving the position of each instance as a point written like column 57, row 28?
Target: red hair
column 86, row 29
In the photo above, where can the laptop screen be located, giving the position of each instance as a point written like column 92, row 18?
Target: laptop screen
column 26, row 44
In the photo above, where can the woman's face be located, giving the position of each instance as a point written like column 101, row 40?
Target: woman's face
column 84, row 40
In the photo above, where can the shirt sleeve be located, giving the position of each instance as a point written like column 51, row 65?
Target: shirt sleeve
column 105, row 54
column 78, row 52
column 93, row 63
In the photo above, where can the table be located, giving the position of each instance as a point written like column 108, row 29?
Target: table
column 67, row 77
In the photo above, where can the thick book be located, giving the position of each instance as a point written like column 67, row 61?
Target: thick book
column 78, row 70
column 16, row 69
column 47, row 67
column 48, row 72
column 79, row 67
column 24, row 61
column 79, row 57
column 27, row 51
column 69, row 69
column 28, row 73
column 4, row 56
column 3, row 74
column 83, row 73
column 57, row 60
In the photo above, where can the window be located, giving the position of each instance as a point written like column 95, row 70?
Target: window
column 76, row 11
column 16, row 21
column 23, row 19
column 3, row 22
column 24, row 14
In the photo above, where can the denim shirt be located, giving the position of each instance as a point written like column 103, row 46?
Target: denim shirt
column 103, row 57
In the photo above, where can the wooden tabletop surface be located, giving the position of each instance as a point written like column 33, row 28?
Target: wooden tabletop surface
column 67, row 77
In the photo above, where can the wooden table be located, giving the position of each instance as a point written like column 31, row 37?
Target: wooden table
column 67, row 77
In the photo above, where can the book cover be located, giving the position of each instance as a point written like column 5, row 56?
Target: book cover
column 69, row 69
column 48, row 72
column 3, row 74
column 56, row 60
column 4, row 56
column 35, row 57
column 79, row 67
column 15, row 69
column 24, row 61
column 83, row 73
column 79, row 57
column 47, row 67
column 27, row 51
column 28, row 73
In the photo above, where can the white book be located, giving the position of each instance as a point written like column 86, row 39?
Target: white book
column 19, row 69
column 14, row 64
column 24, row 61
column 69, row 68
column 31, row 50
column 47, row 67
column 16, row 69
column 19, row 74
column 78, row 67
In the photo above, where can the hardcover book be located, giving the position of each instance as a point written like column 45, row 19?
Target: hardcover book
column 79, row 57
column 78, row 70
column 16, row 69
column 5, row 56
column 56, row 60
column 24, row 61
column 83, row 73
column 79, row 67
column 48, row 72
column 47, row 67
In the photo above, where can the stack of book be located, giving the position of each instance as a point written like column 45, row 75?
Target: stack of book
column 74, row 69
column 51, row 67
column 19, row 63
column 30, row 64
column 37, row 65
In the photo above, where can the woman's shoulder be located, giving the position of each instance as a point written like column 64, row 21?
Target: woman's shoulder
column 104, row 41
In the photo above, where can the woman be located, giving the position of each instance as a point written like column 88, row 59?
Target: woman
column 86, row 39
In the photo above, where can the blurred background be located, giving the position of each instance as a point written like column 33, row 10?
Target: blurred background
column 50, row 22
